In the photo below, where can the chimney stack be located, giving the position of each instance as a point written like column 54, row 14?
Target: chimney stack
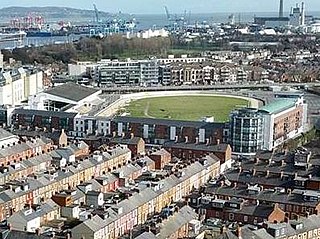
column 281, row 9
column 303, row 14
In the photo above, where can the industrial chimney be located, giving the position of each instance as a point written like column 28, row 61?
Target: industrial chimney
column 303, row 14
column 281, row 9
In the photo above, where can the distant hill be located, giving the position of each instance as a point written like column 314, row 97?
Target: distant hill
column 51, row 14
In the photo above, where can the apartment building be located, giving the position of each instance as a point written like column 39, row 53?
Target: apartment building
column 182, row 59
column 158, row 131
column 283, row 120
column 246, row 130
column 140, row 72
column 16, row 85
column 251, row 130
column 43, row 119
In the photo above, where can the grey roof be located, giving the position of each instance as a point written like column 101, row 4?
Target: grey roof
column 267, row 195
column 13, row 234
column 4, row 134
column 45, row 208
column 72, row 91
column 44, row 113
column 177, row 123
column 128, row 141
column 183, row 217
column 146, row 235
column 202, row 147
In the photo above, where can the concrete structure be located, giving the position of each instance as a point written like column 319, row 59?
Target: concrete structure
column 298, row 15
column 281, row 8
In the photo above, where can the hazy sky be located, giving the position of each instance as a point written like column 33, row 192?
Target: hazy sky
column 176, row 6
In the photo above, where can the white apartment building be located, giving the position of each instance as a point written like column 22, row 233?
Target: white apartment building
column 16, row 85
column 182, row 59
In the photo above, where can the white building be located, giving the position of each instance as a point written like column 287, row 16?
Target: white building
column 182, row 59
column 80, row 68
column 283, row 120
column 153, row 33
column 87, row 125
column 297, row 15
column 17, row 85
column 69, row 97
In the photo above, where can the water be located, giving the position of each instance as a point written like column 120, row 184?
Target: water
column 38, row 41
column 148, row 21
column 160, row 20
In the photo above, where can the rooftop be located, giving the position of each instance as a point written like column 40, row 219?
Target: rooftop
column 176, row 123
column 44, row 113
column 72, row 91
column 278, row 106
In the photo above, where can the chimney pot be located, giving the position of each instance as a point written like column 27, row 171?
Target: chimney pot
column 186, row 139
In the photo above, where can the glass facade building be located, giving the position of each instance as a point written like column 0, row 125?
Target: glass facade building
column 246, row 131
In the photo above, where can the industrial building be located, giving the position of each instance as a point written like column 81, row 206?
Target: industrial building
column 298, row 15
column 279, row 21
column 296, row 18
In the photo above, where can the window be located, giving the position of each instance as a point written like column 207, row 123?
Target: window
column 245, row 218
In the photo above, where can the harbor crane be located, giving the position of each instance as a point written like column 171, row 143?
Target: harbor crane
column 97, row 13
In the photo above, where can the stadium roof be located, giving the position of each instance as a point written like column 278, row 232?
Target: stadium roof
column 72, row 91
column 278, row 106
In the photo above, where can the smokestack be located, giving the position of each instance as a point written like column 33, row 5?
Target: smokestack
column 303, row 14
column 281, row 9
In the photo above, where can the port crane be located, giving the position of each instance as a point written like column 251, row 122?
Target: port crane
column 175, row 18
column 176, row 21
column 98, row 20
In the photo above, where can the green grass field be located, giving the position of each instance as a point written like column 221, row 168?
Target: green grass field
column 190, row 108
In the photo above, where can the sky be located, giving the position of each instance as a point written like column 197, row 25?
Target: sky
column 175, row 6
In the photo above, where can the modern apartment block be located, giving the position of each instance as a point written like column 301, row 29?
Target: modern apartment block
column 283, row 120
column 251, row 130
column 246, row 130
column 140, row 72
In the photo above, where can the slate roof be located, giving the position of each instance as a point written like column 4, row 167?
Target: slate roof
column 202, row 147
column 176, row 123
column 183, row 217
column 44, row 113
column 72, row 91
